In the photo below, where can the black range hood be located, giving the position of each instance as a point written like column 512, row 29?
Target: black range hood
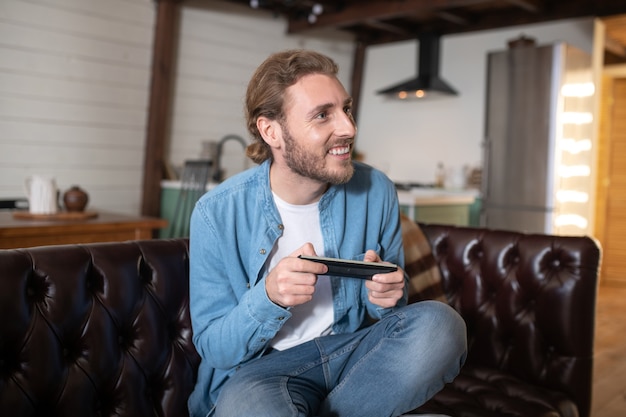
column 428, row 83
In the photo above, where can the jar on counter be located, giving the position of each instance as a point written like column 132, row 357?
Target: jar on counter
column 75, row 199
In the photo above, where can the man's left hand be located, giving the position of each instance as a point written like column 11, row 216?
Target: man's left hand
column 384, row 290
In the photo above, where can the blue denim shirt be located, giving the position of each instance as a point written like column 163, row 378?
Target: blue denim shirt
column 233, row 230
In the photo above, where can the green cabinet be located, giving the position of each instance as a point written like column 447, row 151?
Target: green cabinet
column 170, row 193
column 456, row 214
column 459, row 208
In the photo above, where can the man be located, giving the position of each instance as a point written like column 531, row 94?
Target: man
column 277, row 337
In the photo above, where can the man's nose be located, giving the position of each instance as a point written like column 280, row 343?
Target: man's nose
column 345, row 125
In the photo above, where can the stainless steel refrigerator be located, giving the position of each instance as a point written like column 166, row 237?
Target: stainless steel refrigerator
column 538, row 140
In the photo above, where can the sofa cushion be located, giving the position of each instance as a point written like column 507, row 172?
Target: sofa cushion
column 486, row 392
column 419, row 264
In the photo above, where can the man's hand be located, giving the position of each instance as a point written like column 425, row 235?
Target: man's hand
column 292, row 281
column 384, row 290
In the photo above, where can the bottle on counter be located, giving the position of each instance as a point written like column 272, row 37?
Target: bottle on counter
column 440, row 175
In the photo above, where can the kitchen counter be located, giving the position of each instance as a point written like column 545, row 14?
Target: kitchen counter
column 103, row 227
column 436, row 197
column 435, row 205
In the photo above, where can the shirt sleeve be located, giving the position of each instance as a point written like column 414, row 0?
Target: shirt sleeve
column 233, row 320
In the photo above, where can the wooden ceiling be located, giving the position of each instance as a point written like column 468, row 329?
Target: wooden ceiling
column 615, row 42
column 384, row 21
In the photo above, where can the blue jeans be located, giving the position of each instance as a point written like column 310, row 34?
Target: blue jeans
column 387, row 369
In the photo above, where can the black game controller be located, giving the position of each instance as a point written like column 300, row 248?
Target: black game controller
column 352, row 269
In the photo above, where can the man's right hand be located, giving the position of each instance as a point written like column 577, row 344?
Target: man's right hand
column 292, row 281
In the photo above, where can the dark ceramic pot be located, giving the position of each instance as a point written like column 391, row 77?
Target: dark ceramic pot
column 75, row 199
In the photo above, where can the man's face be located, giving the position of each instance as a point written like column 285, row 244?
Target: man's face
column 318, row 131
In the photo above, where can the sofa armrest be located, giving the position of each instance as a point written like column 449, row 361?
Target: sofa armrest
column 528, row 301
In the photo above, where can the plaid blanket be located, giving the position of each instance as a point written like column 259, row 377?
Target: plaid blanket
column 420, row 265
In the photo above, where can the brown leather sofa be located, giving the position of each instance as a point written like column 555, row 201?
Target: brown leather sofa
column 104, row 330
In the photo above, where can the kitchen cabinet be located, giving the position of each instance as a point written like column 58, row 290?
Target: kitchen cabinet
column 440, row 206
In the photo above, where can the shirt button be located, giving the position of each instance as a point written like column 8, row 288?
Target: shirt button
column 262, row 251
column 281, row 318
column 248, row 285
column 281, row 227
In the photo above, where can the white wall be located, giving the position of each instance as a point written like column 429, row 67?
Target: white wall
column 408, row 138
column 74, row 85
column 220, row 46
column 74, row 88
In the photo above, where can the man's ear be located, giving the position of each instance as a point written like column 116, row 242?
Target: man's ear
column 270, row 131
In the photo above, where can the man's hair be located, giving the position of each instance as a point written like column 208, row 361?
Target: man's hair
column 266, row 91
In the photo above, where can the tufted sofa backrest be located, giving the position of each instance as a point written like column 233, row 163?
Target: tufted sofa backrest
column 96, row 330
column 528, row 301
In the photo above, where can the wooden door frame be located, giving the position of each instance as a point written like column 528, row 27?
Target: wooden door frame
column 603, row 179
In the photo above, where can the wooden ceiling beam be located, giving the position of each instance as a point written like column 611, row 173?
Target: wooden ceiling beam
column 528, row 5
column 447, row 16
column 614, row 47
column 453, row 18
column 387, row 27
column 356, row 13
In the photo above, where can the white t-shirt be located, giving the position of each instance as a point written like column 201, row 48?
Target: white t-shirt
column 315, row 318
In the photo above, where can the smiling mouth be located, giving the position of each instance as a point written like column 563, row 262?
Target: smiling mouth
column 340, row 150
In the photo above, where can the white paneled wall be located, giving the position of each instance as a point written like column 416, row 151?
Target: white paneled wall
column 220, row 47
column 74, row 87
column 75, row 79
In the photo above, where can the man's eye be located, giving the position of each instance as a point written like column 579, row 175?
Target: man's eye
column 347, row 110
column 321, row 115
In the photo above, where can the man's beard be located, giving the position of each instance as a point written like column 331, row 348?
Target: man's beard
column 311, row 165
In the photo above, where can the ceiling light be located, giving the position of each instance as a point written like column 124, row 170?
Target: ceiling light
column 317, row 9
